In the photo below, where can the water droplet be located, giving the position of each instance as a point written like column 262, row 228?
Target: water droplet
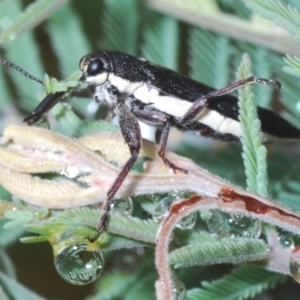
column 70, row 171
column 295, row 270
column 232, row 225
column 163, row 207
column 216, row 223
column 179, row 289
column 187, row 222
column 161, row 210
column 175, row 195
column 286, row 241
column 123, row 205
column 40, row 214
column 295, row 264
column 77, row 265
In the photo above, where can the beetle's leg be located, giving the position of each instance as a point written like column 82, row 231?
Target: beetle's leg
column 48, row 102
column 162, row 150
column 131, row 132
column 204, row 100
column 155, row 117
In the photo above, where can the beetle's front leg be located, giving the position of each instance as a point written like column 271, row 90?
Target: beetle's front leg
column 204, row 100
column 156, row 117
column 131, row 132
column 48, row 102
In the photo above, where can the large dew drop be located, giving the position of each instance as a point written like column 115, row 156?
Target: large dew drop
column 232, row 225
column 286, row 241
column 78, row 266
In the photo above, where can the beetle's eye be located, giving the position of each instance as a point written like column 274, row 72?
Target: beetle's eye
column 95, row 67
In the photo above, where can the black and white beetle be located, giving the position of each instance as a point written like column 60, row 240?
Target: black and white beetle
column 138, row 89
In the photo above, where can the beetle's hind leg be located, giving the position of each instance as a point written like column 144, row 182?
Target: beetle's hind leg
column 162, row 150
column 204, row 100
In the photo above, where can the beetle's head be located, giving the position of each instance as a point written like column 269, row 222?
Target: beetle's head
column 95, row 68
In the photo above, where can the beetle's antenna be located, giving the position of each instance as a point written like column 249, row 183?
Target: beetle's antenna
column 26, row 74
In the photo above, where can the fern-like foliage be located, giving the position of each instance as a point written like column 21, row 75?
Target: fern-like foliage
column 121, row 32
column 75, row 28
column 288, row 17
column 137, row 285
column 254, row 153
column 209, row 54
column 285, row 16
column 29, row 92
column 242, row 283
column 164, row 31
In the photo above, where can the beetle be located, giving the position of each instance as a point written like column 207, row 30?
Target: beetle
column 136, row 89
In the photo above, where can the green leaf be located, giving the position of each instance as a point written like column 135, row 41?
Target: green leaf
column 121, row 32
column 254, row 153
column 164, row 31
column 208, row 64
column 137, row 285
column 294, row 65
column 68, row 39
column 263, row 66
column 289, row 93
column 67, row 23
column 11, row 289
column 6, row 264
column 4, row 93
column 29, row 91
column 281, row 14
column 79, row 223
column 33, row 15
column 221, row 251
column 242, row 283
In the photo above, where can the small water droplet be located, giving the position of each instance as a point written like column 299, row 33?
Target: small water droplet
column 40, row 214
column 70, row 171
column 286, row 241
column 187, row 222
column 232, row 225
column 123, row 205
column 295, row 270
column 78, row 266
column 216, row 223
column 179, row 289
column 295, row 264
column 163, row 207
column 161, row 210
column 175, row 195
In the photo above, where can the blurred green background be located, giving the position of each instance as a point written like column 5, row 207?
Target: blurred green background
column 202, row 39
